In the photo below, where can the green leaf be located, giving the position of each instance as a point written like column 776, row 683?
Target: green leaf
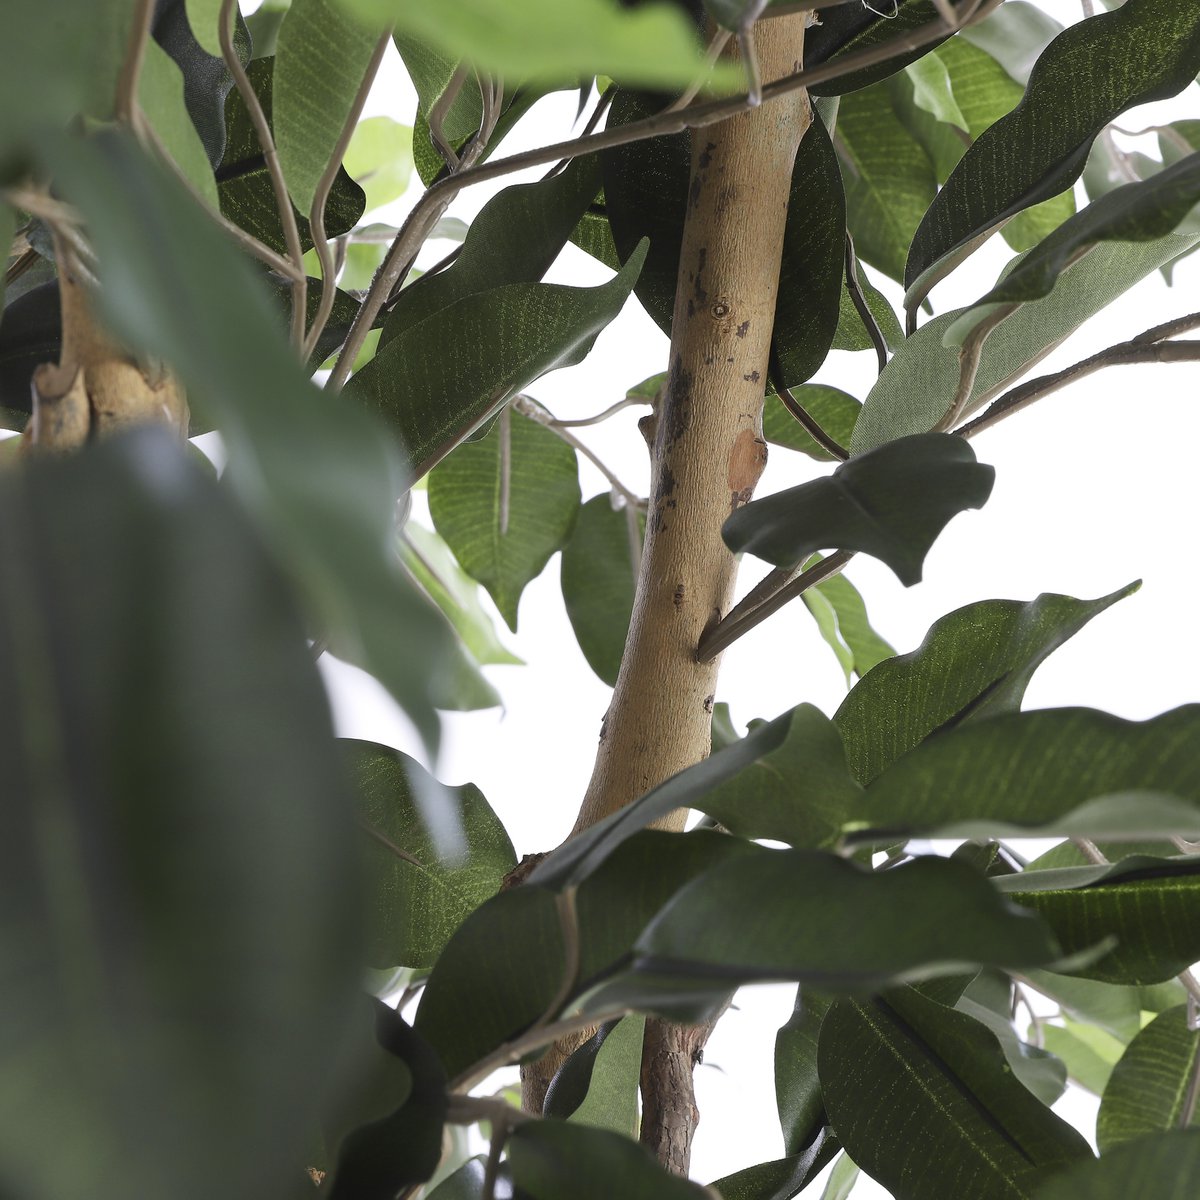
column 464, row 1184
column 782, row 1178
column 851, row 333
column 975, row 662
column 8, row 225
column 244, row 185
column 1109, row 1006
column 842, row 1179
column 646, row 196
column 840, row 614
column 433, row 399
column 926, row 1103
column 1138, row 212
column 1072, row 771
column 822, row 920
column 1148, row 1088
column 176, row 985
column 1078, row 86
column 417, row 901
column 514, row 239
column 1041, row 1072
column 1162, row 1167
column 1089, row 1053
column 654, row 44
column 177, row 289
column 321, row 55
column 797, row 1088
column 918, row 385
column 379, row 159
column 559, row 1160
column 203, row 18
column 504, row 547
column 891, row 503
column 834, row 410
column 933, row 90
column 1015, row 34
column 598, row 1084
column 505, row 965
column 431, row 73
column 852, row 29
column 1149, row 907
column 598, row 581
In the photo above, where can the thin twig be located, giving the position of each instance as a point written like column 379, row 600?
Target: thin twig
column 810, row 424
column 741, row 619
column 718, row 43
column 610, row 411
column 437, row 116
column 316, row 216
column 505, row 431
column 749, row 51
column 262, row 130
column 135, row 54
column 969, row 354
column 492, row 1169
column 633, row 532
column 854, row 287
column 568, row 924
column 440, row 194
column 470, row 1110
column 1168, row 329
column 388, row 844
column 601, row 107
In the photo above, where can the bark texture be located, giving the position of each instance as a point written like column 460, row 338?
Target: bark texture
column 707, row 453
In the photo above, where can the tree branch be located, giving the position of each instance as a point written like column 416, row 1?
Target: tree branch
column 125, row 104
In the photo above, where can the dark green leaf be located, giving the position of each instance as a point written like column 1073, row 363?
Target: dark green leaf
column 852, row 334
column 598, row 566
column 646, row 195
column 434, row 397
column 889, row 179
column 1068, row 854
column 504, row 547
column 559, row 1160
column 381, row 1157
column 1138, row 212
column 179, row 887
column 834, row 410
column 976, row 661
column 840, row 614
column 1041, row 1072
column 177, row 289
column 419, row 900
column 1073, row 771
column 1150, row 907
column 244, row 185
column 465, row 1184
column 577, row 858
column 598, row 1083
column 919, row 384
column 312, row 96
column 852, row 28
column 431, row 73
column 784, row 1177
column 1077, row 87
column 514, row 239
column 1163, row 1167
column 1149, row 1086
column 926, row 1104
column 797, row 1087
column 653, row 44
column 30, row 334
column 504, row 966
column 891, row 503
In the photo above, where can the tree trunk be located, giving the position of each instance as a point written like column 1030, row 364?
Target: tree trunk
column 707, row 454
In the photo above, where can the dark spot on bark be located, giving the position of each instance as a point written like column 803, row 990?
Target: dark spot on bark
column 709, row 360
column 720, row 310
column 708, row 702
column 691, row 308
column 737, row 499
column 695, row 190
column 743, row 329
column 706, row 154
column 753, row 377
column 666, row 483
column 701, row 258
column 677, row 598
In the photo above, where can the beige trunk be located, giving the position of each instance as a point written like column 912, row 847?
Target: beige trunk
column 707, row 454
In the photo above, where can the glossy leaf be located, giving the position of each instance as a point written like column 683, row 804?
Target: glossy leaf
column 1077, row 87
column 159, row 256
column 797, row 1086
column 464, row 1184
column 505, row 965
column 559, row 1160
column 918, row 385
column 891, row 503
column 1089, row 1053
column 153, row 1018
column 572, row 862
column 433, row 398
column 514, row 239
column 840, row 614
column 834, row 410
column 890, row 181
column 1139, row 212
column 822, row 920
column 598, row 581
column 1149, row 907
column 926, row 1104
column 505, row 549
column 379, row 159
column 975, row 662
column 1074, row 771
column 244, row 185
column 646, row 195
column 417, row 901
column 654, row 44
column 782, row 1178
column 852, row 29
column 1148, row 1088
column 313, row 97
column 1163, row 1167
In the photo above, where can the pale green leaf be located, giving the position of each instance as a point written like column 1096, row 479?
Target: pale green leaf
column 379, row 159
